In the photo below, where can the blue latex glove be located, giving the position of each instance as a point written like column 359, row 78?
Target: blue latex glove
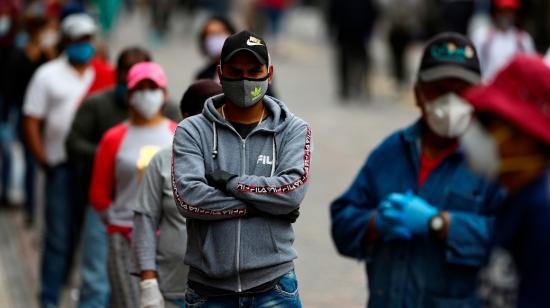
column 416, row 212
column 389, row 222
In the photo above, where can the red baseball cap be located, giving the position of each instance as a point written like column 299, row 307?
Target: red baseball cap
column 520, row 94
column 507, row 4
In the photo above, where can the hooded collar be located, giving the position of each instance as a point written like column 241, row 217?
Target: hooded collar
column 280, row 115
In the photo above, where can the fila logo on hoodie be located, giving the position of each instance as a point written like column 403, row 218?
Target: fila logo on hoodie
column 264, row 160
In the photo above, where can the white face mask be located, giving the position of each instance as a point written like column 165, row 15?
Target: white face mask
column 147, row 102
column 48, row 39
column 448, row 115
column 214, row 44
column 5, row 24
column 481, row 151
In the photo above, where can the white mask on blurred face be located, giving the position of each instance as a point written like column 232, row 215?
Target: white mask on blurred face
column 448, row 115
column 481, row 151
column 147, row 102
column 213, row 44
column 5, row 24
column 48, row 39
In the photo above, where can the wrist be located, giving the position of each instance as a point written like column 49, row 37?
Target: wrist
column 148, row 275
column 372, row 231
column 439, row 225
column 230, row 183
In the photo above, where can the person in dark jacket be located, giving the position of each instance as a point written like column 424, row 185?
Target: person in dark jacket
column 96, row 115
column 19, row 70
column 510, row 142
column 351, row 23
column 415, row 213
column 211, row 39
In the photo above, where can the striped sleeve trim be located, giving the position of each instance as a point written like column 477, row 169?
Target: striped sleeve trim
column 195, row 209
column 286, row 188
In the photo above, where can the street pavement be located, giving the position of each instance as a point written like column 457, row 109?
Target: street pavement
column 343, row 133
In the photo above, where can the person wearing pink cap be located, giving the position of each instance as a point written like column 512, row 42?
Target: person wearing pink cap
column 501, row 40
column 121, row 158
column 510, row 142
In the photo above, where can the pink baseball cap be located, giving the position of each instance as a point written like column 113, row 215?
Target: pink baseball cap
column 146, row 71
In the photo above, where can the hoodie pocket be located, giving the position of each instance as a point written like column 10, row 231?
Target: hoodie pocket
column 206, row 242
column 273, row 241
column 218, row 248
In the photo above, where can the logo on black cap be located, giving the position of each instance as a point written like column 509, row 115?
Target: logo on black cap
column 451, row 52
column 252, row 41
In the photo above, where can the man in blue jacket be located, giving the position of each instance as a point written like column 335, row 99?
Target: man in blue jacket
column 415, row 213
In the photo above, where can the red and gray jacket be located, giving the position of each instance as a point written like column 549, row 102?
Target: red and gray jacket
column 121, row 158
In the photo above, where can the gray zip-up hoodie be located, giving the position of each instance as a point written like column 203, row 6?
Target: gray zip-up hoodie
column 225, row 250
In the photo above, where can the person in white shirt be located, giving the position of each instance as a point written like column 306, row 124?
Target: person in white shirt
column 502, row 39
column 52, row 98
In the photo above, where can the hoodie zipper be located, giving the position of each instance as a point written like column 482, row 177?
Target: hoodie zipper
column 238, row 254
column 243, row 171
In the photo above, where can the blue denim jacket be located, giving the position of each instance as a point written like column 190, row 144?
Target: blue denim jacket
column 423, row 272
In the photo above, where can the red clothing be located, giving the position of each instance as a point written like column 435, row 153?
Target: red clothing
column 277, row 4
column 428, row 164
column 122, row 155
column 104, row 76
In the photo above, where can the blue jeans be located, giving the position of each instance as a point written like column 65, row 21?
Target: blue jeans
column 6, row 142
column 283, row 295
column 94, row 287
column 58, row 234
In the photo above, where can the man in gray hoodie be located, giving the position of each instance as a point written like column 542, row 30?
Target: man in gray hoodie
column 239, row 173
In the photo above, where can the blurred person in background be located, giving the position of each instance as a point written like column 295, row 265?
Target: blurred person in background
column 216, row 7
column 211, row 38
column 351, row 23
column 53, row 96
column 535, row 15
column 502, row 39
column 94, row 117
column 43, row 37
column 274, row 12
column 404, row 28
column 240, row 172
column 123, row 153
column 108, row 13
column 415, row 213
column 456, row 14
column 510, row 142
column 160, row 255
column 9, row 26
column 161, row 17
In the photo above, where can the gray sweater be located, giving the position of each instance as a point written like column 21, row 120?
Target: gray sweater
column 155, row 210
column 225, row 250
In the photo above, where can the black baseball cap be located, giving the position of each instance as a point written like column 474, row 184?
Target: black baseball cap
column 449, row 55
column 245, row 40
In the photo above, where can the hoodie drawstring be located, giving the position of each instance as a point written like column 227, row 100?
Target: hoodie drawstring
column 274, row 155
column 215, row 146
column 273, row 144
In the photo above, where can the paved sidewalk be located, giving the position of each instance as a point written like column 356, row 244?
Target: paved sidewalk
column 18, row 256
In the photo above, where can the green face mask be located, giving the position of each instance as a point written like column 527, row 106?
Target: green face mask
column 245, row 92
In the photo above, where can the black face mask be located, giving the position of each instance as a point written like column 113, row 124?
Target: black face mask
column 245, row 92
column 121, row 90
